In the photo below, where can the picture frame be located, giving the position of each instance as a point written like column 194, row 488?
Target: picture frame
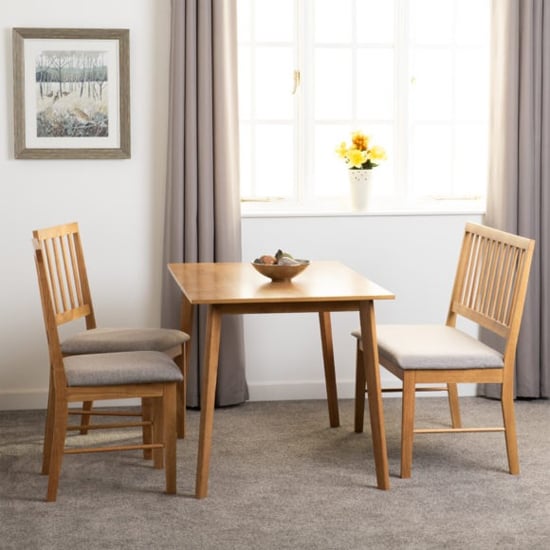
column 71, row 93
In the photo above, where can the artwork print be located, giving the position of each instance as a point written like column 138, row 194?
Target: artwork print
column 72, row 90
column 71, row 93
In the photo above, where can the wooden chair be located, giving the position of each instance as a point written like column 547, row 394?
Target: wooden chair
column 65, row 270
column 150, row 375
column 489, row 290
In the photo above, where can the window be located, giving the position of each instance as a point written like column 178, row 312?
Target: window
column 413, row 74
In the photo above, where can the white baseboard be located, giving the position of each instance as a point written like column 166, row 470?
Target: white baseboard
column 23, row 400
column 279, row 391
column 316, row 390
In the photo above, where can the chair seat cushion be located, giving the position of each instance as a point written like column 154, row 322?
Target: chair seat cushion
column 114, row 369
column 433, row 347
column 107, row 340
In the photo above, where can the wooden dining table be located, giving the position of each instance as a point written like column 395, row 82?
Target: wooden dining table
column 324, row 287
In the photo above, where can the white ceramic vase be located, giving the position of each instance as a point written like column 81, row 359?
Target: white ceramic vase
column 360, row 189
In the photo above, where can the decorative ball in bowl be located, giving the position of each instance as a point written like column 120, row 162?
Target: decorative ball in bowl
column 280, row 267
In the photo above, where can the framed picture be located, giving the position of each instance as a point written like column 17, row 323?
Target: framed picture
column 71, row 93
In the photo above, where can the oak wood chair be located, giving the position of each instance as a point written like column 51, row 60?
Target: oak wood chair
column 65, row 270
column 489, row 290
column 150, row 375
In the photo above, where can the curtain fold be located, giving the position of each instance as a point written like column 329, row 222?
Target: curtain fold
column 202, row 212
column 518, row 198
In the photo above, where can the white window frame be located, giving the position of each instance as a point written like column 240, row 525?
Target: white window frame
column 303, row 202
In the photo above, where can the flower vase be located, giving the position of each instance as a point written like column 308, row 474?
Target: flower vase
column 360, row 188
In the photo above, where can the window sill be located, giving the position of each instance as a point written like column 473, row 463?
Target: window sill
column 378, row 207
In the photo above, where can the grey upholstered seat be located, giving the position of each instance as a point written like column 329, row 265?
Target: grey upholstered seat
column 114, row 369
column 433, row 347
column 108, row 340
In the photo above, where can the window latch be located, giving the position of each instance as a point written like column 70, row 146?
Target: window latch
column 296, row 77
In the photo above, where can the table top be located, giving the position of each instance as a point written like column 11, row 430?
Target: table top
column 234, row 282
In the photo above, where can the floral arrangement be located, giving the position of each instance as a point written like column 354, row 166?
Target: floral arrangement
column 360, row 154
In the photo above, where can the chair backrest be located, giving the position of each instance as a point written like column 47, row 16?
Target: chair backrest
column 491, row 281
column 62, row 273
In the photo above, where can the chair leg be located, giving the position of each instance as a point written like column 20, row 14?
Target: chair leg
column 86, row 418
column 59, row 432
column 407, row 423
column 158, row 430
column 509, row 419
column 360, row 388
column 181, row 396
column 147, row 430
column 48, row 430
column 454, row 406
column 169, row 424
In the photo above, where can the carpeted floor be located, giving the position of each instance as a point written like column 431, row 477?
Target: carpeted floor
column 280, row 478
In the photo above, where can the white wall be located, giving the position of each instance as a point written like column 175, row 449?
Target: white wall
column 119, row 205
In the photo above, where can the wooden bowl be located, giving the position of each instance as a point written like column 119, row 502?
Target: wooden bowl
column 280, row 273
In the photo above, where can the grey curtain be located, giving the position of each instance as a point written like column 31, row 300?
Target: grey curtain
column 519, row 181
column 202, row 214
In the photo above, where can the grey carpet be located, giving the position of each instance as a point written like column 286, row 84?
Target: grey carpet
column 280, row 478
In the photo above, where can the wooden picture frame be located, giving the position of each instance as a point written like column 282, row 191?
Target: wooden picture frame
column 71, row 93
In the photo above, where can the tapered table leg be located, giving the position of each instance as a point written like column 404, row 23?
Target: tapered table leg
column 330, row 374
column 374, row 392
column 208, row 394
column 187, row 310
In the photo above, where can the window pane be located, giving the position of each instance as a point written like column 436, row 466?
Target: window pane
column 245, row 83
column 274, row 20
column 473, row 29
column 375, row 21
column 274, row 160
column 375, row 83
column 431, row 160
column 273, row 77
column 333, row 21
column 471, row 154
column 432, row 89
column 244, row 20
column 333, row 84
column 431, row 21
column 246, row 156
column 329, row 170
column 472, row 86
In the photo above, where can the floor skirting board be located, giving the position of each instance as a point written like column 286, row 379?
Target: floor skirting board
column 264, row 391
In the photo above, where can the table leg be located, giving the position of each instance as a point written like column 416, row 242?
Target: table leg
column 186, row 317
column 330, row 374
column 187, row 311
column 208, row 394
column 360, row 385
column 374, row 392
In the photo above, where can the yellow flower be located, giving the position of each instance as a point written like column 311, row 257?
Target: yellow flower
column 377, row 153
column 360, row 154
column 360, row 141
column 356, row 158
column 342, row 150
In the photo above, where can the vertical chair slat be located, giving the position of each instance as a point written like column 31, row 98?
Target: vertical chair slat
column 68, row 271
column 498, row 276
column 75, row 269
column 58, row 257
column 510, row 286
column 496, row 279
column 49, row 249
